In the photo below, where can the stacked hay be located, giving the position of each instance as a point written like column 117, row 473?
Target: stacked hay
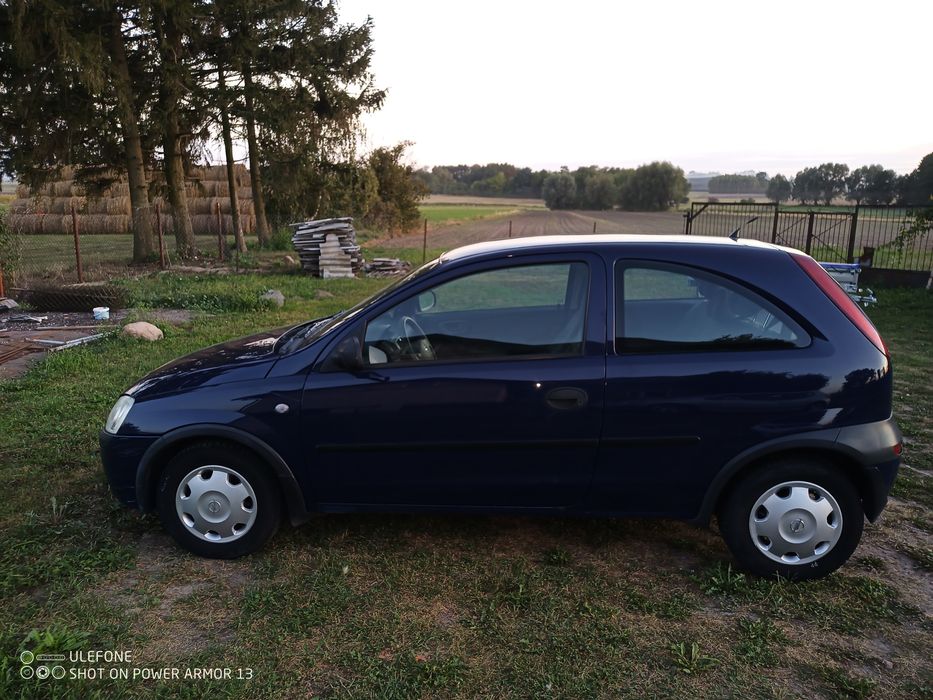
column 327, row 247
column 48, row 210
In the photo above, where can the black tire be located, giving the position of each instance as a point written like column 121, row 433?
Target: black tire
column 735, row 511
column 268, row 499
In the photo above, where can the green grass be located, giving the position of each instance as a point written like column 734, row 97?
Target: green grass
column 458, row 213
column 404, row 606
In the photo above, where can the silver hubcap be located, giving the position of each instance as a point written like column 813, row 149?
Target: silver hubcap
column 216, row 503
column 795, row 522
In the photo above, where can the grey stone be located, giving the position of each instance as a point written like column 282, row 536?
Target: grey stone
column 323, row 294
column 275, row 296
column 143, row 330
column 7, row 304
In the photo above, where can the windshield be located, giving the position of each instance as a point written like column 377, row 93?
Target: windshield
column 306, row 334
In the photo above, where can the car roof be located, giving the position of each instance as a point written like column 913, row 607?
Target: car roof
column 545, row 244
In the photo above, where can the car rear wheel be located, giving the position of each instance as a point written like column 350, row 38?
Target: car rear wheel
column 797, row 518
column 218, row 502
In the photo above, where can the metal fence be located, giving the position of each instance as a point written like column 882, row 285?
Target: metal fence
column 72, row 271
column 890, row 237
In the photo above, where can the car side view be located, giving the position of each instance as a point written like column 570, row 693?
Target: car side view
column 649, row 376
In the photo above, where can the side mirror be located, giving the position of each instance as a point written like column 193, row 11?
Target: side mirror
column 426, row 301
column 347, row 356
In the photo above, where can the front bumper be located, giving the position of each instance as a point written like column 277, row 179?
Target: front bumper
column 121, row 455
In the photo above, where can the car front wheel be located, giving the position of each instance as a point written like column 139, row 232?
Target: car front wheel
column 797, row 518
column 218, row 502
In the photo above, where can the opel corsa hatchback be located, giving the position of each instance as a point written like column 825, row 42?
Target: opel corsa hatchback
column 638, row 376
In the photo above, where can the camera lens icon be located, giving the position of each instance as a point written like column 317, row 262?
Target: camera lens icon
column 42, row 672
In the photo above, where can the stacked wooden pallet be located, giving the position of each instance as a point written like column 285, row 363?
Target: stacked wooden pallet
column 386, row 267
column 327, row 247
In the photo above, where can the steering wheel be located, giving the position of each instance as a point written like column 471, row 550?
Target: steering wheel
column 421, row 349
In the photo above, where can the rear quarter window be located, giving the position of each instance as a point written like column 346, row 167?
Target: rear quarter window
column 675, row 308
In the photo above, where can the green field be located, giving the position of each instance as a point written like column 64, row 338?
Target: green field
column 418, row 606
column 458, row 213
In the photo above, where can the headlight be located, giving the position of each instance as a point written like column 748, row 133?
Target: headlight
column 118, row 414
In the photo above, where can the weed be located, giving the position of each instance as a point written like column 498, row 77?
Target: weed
column 757, row 640
column 557, row 557
column 720, row 580
column 845, row 686
column 689, row 660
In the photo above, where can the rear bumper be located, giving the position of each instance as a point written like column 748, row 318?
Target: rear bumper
column 121, row 455
column 874, row 445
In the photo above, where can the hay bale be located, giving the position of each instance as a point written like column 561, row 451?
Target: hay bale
column 109, row 205
column 54, row 224
column 21, row 206
column 168, row 224
column 91, row 224
column 63, row 188
column 117, row 189
column 26, row 224
column 62, row 205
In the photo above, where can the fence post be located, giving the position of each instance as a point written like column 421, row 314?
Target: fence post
column 850, row 253
column 806, row 247
column 158, row 208
column 510, row 228
column 74, row 230
column 424, row 245
column 688, row 220
column 220, row 235
column 774, row 226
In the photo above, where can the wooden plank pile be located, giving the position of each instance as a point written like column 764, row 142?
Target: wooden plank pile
column 386, row 267
column 327, row 247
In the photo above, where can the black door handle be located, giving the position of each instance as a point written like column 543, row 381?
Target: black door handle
column 567, row 398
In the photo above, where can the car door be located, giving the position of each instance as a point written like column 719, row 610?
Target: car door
column 702, row 368
column 504, row 411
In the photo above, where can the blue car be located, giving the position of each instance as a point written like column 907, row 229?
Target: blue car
column 640, row 376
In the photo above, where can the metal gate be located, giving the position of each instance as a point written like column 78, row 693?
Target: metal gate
column 894, row 237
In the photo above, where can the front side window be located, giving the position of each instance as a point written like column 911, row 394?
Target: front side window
column 668, row 308
column 521, row 311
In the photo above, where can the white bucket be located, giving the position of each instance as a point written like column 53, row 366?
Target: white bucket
column 101, row 313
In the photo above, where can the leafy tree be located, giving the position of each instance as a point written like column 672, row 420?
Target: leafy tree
column 399, row 191
column 807, row 186
column 600, row 191
column 654, row 187
column 559, row 191
column 832, row 181
column 779, row 189
column 871, row 183
column 917, row 187
column 91, row 62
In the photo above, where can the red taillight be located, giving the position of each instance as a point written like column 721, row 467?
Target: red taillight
column 898, row 448
column 839, row 297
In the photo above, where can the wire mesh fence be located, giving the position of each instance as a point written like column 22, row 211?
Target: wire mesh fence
column 894, row 237
column 74, row 270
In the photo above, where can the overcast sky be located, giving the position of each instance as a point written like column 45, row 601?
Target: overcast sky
column 724, row 86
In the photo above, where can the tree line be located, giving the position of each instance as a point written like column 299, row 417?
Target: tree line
column 869, row 184
column 143, row 89
column 651, row 187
